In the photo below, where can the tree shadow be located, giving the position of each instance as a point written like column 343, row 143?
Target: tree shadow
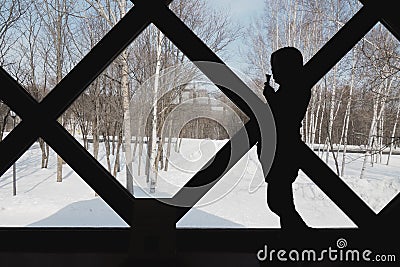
column 96, row 213
column 85, row 213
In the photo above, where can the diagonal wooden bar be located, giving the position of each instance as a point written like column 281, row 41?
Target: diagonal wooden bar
column 316, row 68
column 58, row 138
column 40, row 119
column 73, row 84
column 24, row 135
column 388, row 13
column 388, row 216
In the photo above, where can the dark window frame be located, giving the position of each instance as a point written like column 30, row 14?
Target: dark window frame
column 130, row 209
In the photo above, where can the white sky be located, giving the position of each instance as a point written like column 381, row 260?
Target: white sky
column 242, row 12
column 242, row 9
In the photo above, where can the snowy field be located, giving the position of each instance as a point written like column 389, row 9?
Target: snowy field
column 237, row 201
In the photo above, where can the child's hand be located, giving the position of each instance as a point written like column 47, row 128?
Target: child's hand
column 268, row 77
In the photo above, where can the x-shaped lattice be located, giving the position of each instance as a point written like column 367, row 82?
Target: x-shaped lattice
column 40, row 119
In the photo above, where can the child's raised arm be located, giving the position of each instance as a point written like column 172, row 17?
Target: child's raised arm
column 269, row 92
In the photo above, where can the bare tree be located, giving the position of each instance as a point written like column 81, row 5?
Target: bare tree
column 111, row 12
column 55, row 15
column 345, row 130
column 152, row 53
column 11, row 12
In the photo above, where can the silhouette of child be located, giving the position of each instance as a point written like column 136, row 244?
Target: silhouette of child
column 288, row 105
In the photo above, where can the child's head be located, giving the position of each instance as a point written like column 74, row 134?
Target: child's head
column 286, row 64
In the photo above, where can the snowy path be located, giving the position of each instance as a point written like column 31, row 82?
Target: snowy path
column 232, row 203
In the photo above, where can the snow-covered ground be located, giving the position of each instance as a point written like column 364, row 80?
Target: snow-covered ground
column 237, row 201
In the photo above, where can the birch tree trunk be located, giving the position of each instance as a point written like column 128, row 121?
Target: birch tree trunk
column 375, row 118
column 347, row 118
column 331, row 115
column 153, row 154
column 370, row 138
column 117, row 155
column 140, row 154
column 320, row 127
column 96, row 126
column 127, row 120
column 392, row 136
column 310, row 126
column 59, row 62
column 380, row 137
column 43, row 148
column 108, row 150
column 168, row 146
column 315, row 122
